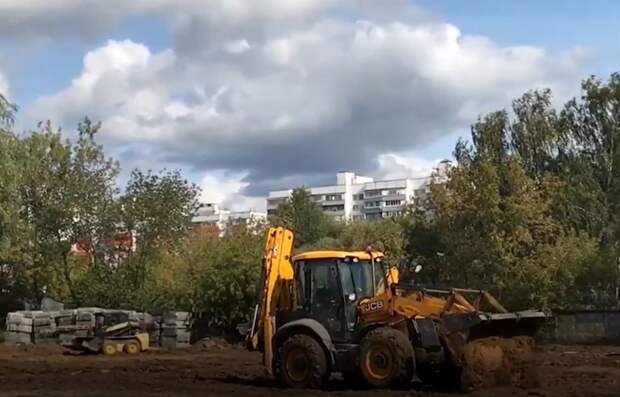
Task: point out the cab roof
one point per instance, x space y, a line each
363 255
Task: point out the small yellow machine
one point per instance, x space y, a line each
322 312
124 337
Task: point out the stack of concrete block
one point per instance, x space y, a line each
85 321
18 328
65 320
119 316
43 326
175 330
65 325
171 331
150 324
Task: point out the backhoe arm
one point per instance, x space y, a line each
274 292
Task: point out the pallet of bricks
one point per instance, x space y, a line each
18 328
175 330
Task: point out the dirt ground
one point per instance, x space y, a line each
221 370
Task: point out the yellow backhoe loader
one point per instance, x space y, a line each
325 312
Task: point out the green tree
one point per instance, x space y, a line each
213 277
496 226
424 245
13 283
594 123
536 134
154 217
300 214
385 235
157 208
63 195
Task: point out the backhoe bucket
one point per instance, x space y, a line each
494 348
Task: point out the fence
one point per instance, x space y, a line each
587 326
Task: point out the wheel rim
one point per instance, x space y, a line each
378 362
109 350
132 348
297 365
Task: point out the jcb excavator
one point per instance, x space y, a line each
323 312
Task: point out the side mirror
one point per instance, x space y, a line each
352 297
417 269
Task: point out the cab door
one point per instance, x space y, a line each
326 299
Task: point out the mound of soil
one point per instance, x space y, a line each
498 361
213 343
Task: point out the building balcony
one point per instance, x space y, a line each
373 198
326 203
402 197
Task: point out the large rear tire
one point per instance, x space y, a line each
303 364
386 358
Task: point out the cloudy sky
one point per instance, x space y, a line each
248 96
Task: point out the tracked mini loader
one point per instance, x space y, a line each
325 312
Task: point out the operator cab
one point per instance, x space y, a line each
330 285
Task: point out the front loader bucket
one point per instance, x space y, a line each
493 348
507 325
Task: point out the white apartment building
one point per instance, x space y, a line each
211 214
356 197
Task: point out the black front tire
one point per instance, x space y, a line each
302 363
386 359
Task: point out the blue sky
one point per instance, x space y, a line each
241 82
553 24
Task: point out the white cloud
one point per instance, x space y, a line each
4 86
394 166
119 84
226 188
275 90
237 46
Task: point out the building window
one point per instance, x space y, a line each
373 193
356 207
371 204
333 197
395 192
393 203
358 197
333 208
391 214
